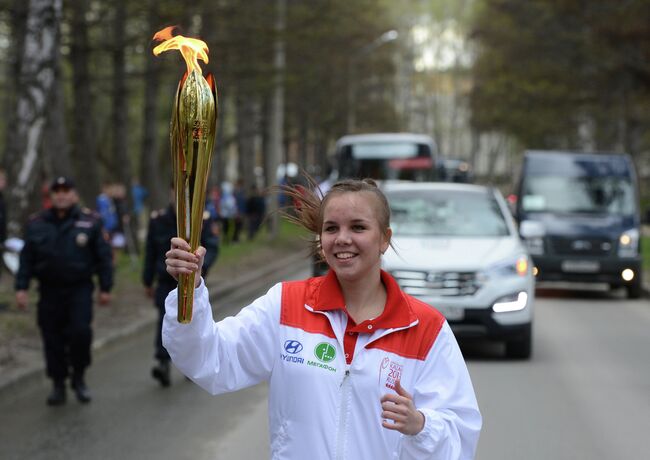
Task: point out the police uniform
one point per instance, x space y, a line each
162 228
63 254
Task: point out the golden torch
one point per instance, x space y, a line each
192 132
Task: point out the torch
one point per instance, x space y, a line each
192 132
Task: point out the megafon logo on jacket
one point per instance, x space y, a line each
325 352
389 373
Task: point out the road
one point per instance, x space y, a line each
584 395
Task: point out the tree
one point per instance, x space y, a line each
84 130
36 82
563 74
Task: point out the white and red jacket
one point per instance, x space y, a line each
326 374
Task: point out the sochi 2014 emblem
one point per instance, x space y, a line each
389 373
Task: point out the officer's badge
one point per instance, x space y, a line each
81 239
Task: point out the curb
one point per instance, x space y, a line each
33 373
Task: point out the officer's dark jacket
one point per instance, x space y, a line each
162 227
65 251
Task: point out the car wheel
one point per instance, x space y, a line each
520 348
635 289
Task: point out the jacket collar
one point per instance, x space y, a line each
327 296
73 212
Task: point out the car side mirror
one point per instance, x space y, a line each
531 229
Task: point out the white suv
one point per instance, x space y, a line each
456 247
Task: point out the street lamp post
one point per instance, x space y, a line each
384 38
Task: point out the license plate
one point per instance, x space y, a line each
452 313
580 266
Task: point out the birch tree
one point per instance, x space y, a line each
36 81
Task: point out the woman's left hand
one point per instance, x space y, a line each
400 413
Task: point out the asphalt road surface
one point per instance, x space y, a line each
584 395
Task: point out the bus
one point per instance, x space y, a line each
387 156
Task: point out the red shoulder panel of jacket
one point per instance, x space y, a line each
294 313
414 342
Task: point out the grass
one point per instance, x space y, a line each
128 270
645 253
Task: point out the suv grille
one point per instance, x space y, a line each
581 246
437 284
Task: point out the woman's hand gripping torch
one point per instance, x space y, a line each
192 133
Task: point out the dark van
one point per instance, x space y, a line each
579 215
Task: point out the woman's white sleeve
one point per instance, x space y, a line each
445 395
229 355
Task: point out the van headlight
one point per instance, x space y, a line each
517 266
628 243
535 246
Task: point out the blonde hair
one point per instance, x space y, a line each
309 208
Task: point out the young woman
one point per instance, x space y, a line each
357 369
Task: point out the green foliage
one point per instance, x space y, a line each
556 73
325 38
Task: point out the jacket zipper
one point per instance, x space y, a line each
343 416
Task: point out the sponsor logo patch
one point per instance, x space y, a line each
292 347
325 352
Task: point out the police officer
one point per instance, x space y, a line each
162 227
64 246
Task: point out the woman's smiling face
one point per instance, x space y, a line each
351 237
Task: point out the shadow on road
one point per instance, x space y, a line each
579 291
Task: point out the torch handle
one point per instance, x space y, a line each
185 297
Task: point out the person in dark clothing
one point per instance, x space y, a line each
255 211
64 247
240 199
162 227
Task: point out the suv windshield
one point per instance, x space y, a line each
594 195
445 213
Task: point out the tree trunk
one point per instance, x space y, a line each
217 174
121 157
18 24
36 81
246 131
84 133
303 145
56 151
276 119
151 178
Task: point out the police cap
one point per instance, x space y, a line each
62 182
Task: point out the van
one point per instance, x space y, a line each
579 216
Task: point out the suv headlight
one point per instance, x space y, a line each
517 266
628 243
514 302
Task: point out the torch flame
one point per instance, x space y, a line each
192 49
